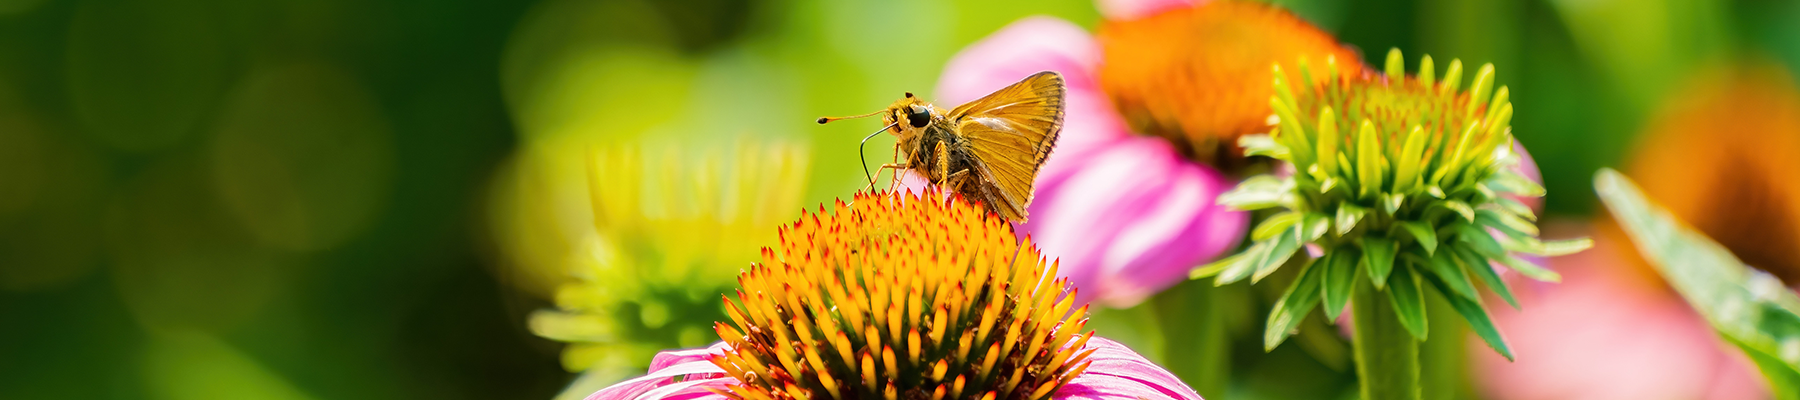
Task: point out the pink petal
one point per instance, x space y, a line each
1119 373
690 389
911 183
1119 10
670 358
1026 47
1116 373
1131 219
1528 168
1608 332
1125 214
692 365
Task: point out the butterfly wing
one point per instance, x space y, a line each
1009 134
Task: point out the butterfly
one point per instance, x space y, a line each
988 150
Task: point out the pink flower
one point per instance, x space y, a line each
1527 168
1126 214
1610 332
1118 10
1116 373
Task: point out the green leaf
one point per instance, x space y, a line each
1477 318
1378 254
1347 215
1396 67
1445 269
1482 269
1314 227
1506 222
1409 301
1406 174
1216 267
1299 299
1480 89
1282 248
1531 245
1275 225
1328 143
1291 132
1515 207
1262 191
1422 234
1750 308
1340 278
1460 208
1262 145
1479 240
1426 70
1530 270
1509 182
1243 265
1566 247
1482 195
1392 202
1368 154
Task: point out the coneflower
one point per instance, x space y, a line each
1198 75
666 220
1402 182
889 298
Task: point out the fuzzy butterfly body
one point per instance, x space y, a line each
988 150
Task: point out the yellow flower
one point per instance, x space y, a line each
673 223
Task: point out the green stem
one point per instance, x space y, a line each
1387 358
1443 360
1196 348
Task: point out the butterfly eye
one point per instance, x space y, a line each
918 117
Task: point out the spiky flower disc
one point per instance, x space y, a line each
1400 178
890 298
1199 75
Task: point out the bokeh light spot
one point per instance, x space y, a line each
178 259
194 366
143 75
49 189
303 156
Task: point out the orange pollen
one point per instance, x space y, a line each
911 298
1200 76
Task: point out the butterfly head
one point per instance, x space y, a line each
909 115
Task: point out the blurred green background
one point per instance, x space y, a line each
301 199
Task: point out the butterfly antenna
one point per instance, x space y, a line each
823 120
864 160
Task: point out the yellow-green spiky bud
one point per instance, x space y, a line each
1405 182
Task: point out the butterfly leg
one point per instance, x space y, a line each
955 182
943 164
884 167
894 160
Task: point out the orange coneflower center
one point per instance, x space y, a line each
1200 76
1722 156
891 298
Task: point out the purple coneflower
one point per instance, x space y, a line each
903 298
1128 214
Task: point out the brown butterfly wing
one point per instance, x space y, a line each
1010 133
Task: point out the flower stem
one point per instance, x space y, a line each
1443 360
1196 348
1387 358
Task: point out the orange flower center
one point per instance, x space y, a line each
891 298
1200 76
